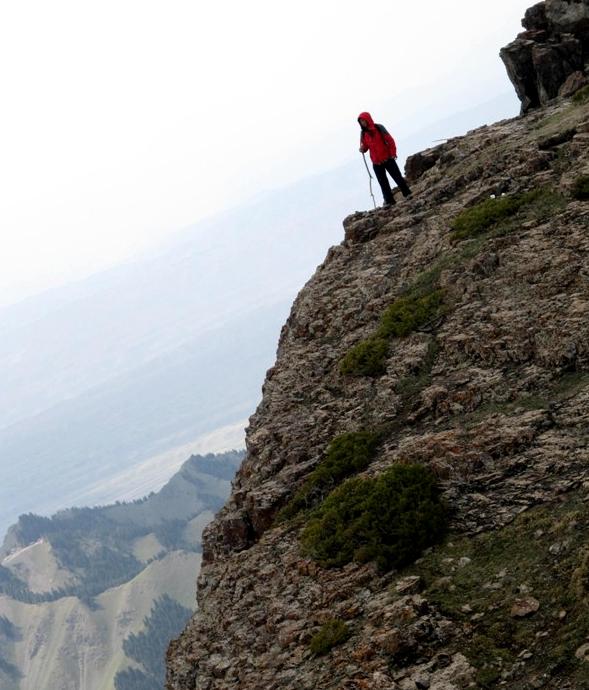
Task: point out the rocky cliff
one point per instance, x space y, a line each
453 331
550 57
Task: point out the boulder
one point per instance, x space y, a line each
577 80
568 16
554 47
524 607
420 163
535 18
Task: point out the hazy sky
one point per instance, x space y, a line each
125 120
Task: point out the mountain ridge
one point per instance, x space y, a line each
78 590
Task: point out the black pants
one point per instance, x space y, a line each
392 168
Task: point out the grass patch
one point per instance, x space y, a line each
496 214
332 633
565 118
582 96
500 566
474 221
428 281
580 189
346 455
389 519
508 407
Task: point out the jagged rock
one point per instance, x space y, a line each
554 47
419 163
535 18
556 139
569 16
422 682
409 585
524 607
577 80
360 227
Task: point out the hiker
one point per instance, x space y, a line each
383 152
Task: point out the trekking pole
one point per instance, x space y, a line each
369 179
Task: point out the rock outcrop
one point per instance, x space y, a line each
492 395
550 57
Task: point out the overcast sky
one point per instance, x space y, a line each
123 121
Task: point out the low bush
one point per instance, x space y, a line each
581 188
473 221
390 519
409 313
334 632
346 455
367 358
492 213
406 314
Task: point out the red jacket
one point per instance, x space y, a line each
377 140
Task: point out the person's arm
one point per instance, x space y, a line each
363 147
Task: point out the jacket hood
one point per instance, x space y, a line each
368 118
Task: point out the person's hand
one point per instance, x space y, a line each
361 149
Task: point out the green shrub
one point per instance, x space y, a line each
488 677
543 203
409 313
346 455
582 96
492 213
581 188
332 633
367 358
428 281
405 315
389 519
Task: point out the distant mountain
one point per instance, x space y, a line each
85 593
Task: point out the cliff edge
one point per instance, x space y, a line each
490 391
